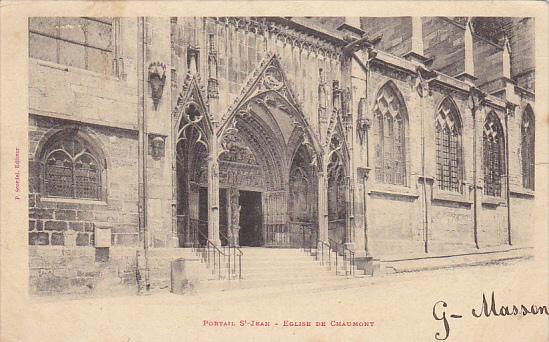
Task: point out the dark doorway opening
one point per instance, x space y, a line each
202 215
251 220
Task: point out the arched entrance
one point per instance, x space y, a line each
254 180
269 157
254 171
192 150
337 198
303 199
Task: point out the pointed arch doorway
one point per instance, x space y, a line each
278 187
254 179
268 181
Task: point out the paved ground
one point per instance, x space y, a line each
400 307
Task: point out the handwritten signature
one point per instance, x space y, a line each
488 308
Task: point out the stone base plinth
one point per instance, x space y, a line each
368 264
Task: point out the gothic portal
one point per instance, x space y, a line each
264 162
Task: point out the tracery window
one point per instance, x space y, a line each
493 155
528 149
448 147
85 43
390 124
71 169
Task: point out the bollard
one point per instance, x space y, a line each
183 280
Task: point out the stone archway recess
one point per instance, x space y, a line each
267 125
192 142
267 121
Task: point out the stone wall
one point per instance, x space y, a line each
488 60
158 122
521 36
59 270
444 42
450 215
50 218
396 33
84 96
523 219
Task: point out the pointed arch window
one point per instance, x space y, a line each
449 147
390 125
493 153
527 149
71 168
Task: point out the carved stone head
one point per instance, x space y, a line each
157 147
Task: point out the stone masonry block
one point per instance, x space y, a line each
39 213
82 239
39 238
57 239
67 215
76 226
84 215
56 225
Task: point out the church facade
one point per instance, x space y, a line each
392 137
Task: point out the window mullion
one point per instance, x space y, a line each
73 179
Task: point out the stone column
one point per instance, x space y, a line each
234 216
349 215
213 198
322 207
362 192
364 259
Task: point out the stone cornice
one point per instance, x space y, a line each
332 38
451 82
83 121
393 61
495 102
289 32
530 95
400 63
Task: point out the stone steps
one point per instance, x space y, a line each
268 267
261 267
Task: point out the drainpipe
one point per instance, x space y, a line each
509 109
175 236
141 110
423 187
475 195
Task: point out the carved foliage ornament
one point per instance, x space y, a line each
268 83
272 78
234 149
157 78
